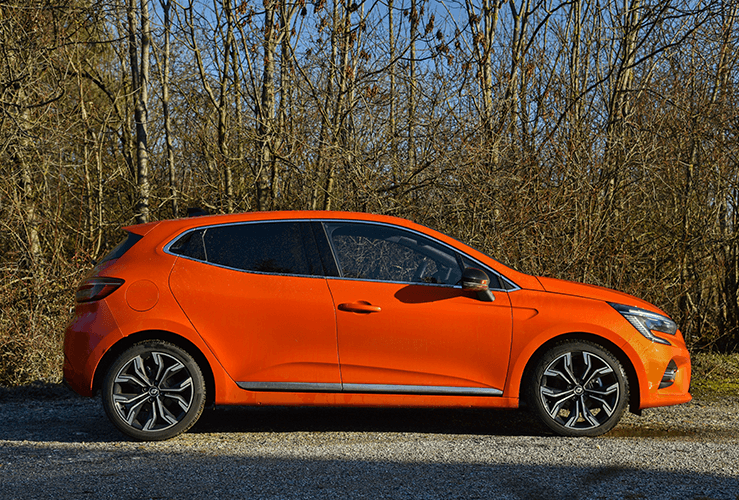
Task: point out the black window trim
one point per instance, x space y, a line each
501 279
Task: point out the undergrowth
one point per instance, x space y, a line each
715 376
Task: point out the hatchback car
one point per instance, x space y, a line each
349 309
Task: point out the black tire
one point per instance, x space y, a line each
578 388
154 391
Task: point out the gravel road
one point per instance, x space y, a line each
54 444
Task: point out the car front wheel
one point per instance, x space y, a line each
578 389
154 391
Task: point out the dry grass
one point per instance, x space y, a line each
32 326
715 376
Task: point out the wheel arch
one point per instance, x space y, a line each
621 356
119 347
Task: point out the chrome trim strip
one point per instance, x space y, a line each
289 386
485 266
369 388
423 389
167 250
443 285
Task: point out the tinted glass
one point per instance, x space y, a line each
122 247
190 245
274 247
383 253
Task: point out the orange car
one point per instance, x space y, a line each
349 309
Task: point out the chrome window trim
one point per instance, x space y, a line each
425 390
416 283
176 238
485 267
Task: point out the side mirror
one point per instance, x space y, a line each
475 280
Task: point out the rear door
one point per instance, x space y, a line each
256 294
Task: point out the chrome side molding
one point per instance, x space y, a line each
430 390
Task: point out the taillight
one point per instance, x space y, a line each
97 288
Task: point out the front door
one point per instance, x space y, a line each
404 325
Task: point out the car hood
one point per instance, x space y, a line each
553 285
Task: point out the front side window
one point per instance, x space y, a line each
269 247
384 253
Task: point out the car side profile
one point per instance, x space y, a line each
352 309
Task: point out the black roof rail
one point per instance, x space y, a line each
196 212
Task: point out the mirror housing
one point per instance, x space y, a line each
475 280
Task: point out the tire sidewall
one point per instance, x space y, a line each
198 387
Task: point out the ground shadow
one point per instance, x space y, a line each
418 420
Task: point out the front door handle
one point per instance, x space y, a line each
360 306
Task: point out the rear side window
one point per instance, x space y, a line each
124 246
272 247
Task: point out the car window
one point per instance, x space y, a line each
271 247
385 253
124 246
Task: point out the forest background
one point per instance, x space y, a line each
591 140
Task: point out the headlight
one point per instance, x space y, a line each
647 322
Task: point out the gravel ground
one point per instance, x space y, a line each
54 444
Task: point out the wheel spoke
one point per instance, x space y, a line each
151 421
133 411
176 393
587 414
140 370
599 373
559 402
170 371
574 415
159 363
609 391
128 400
165 413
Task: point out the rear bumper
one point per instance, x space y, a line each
90 332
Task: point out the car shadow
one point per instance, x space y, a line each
52 413
48 412
413 420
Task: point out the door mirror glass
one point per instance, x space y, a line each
475 280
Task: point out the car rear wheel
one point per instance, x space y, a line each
578 389
154 391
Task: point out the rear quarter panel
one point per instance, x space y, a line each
144 305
